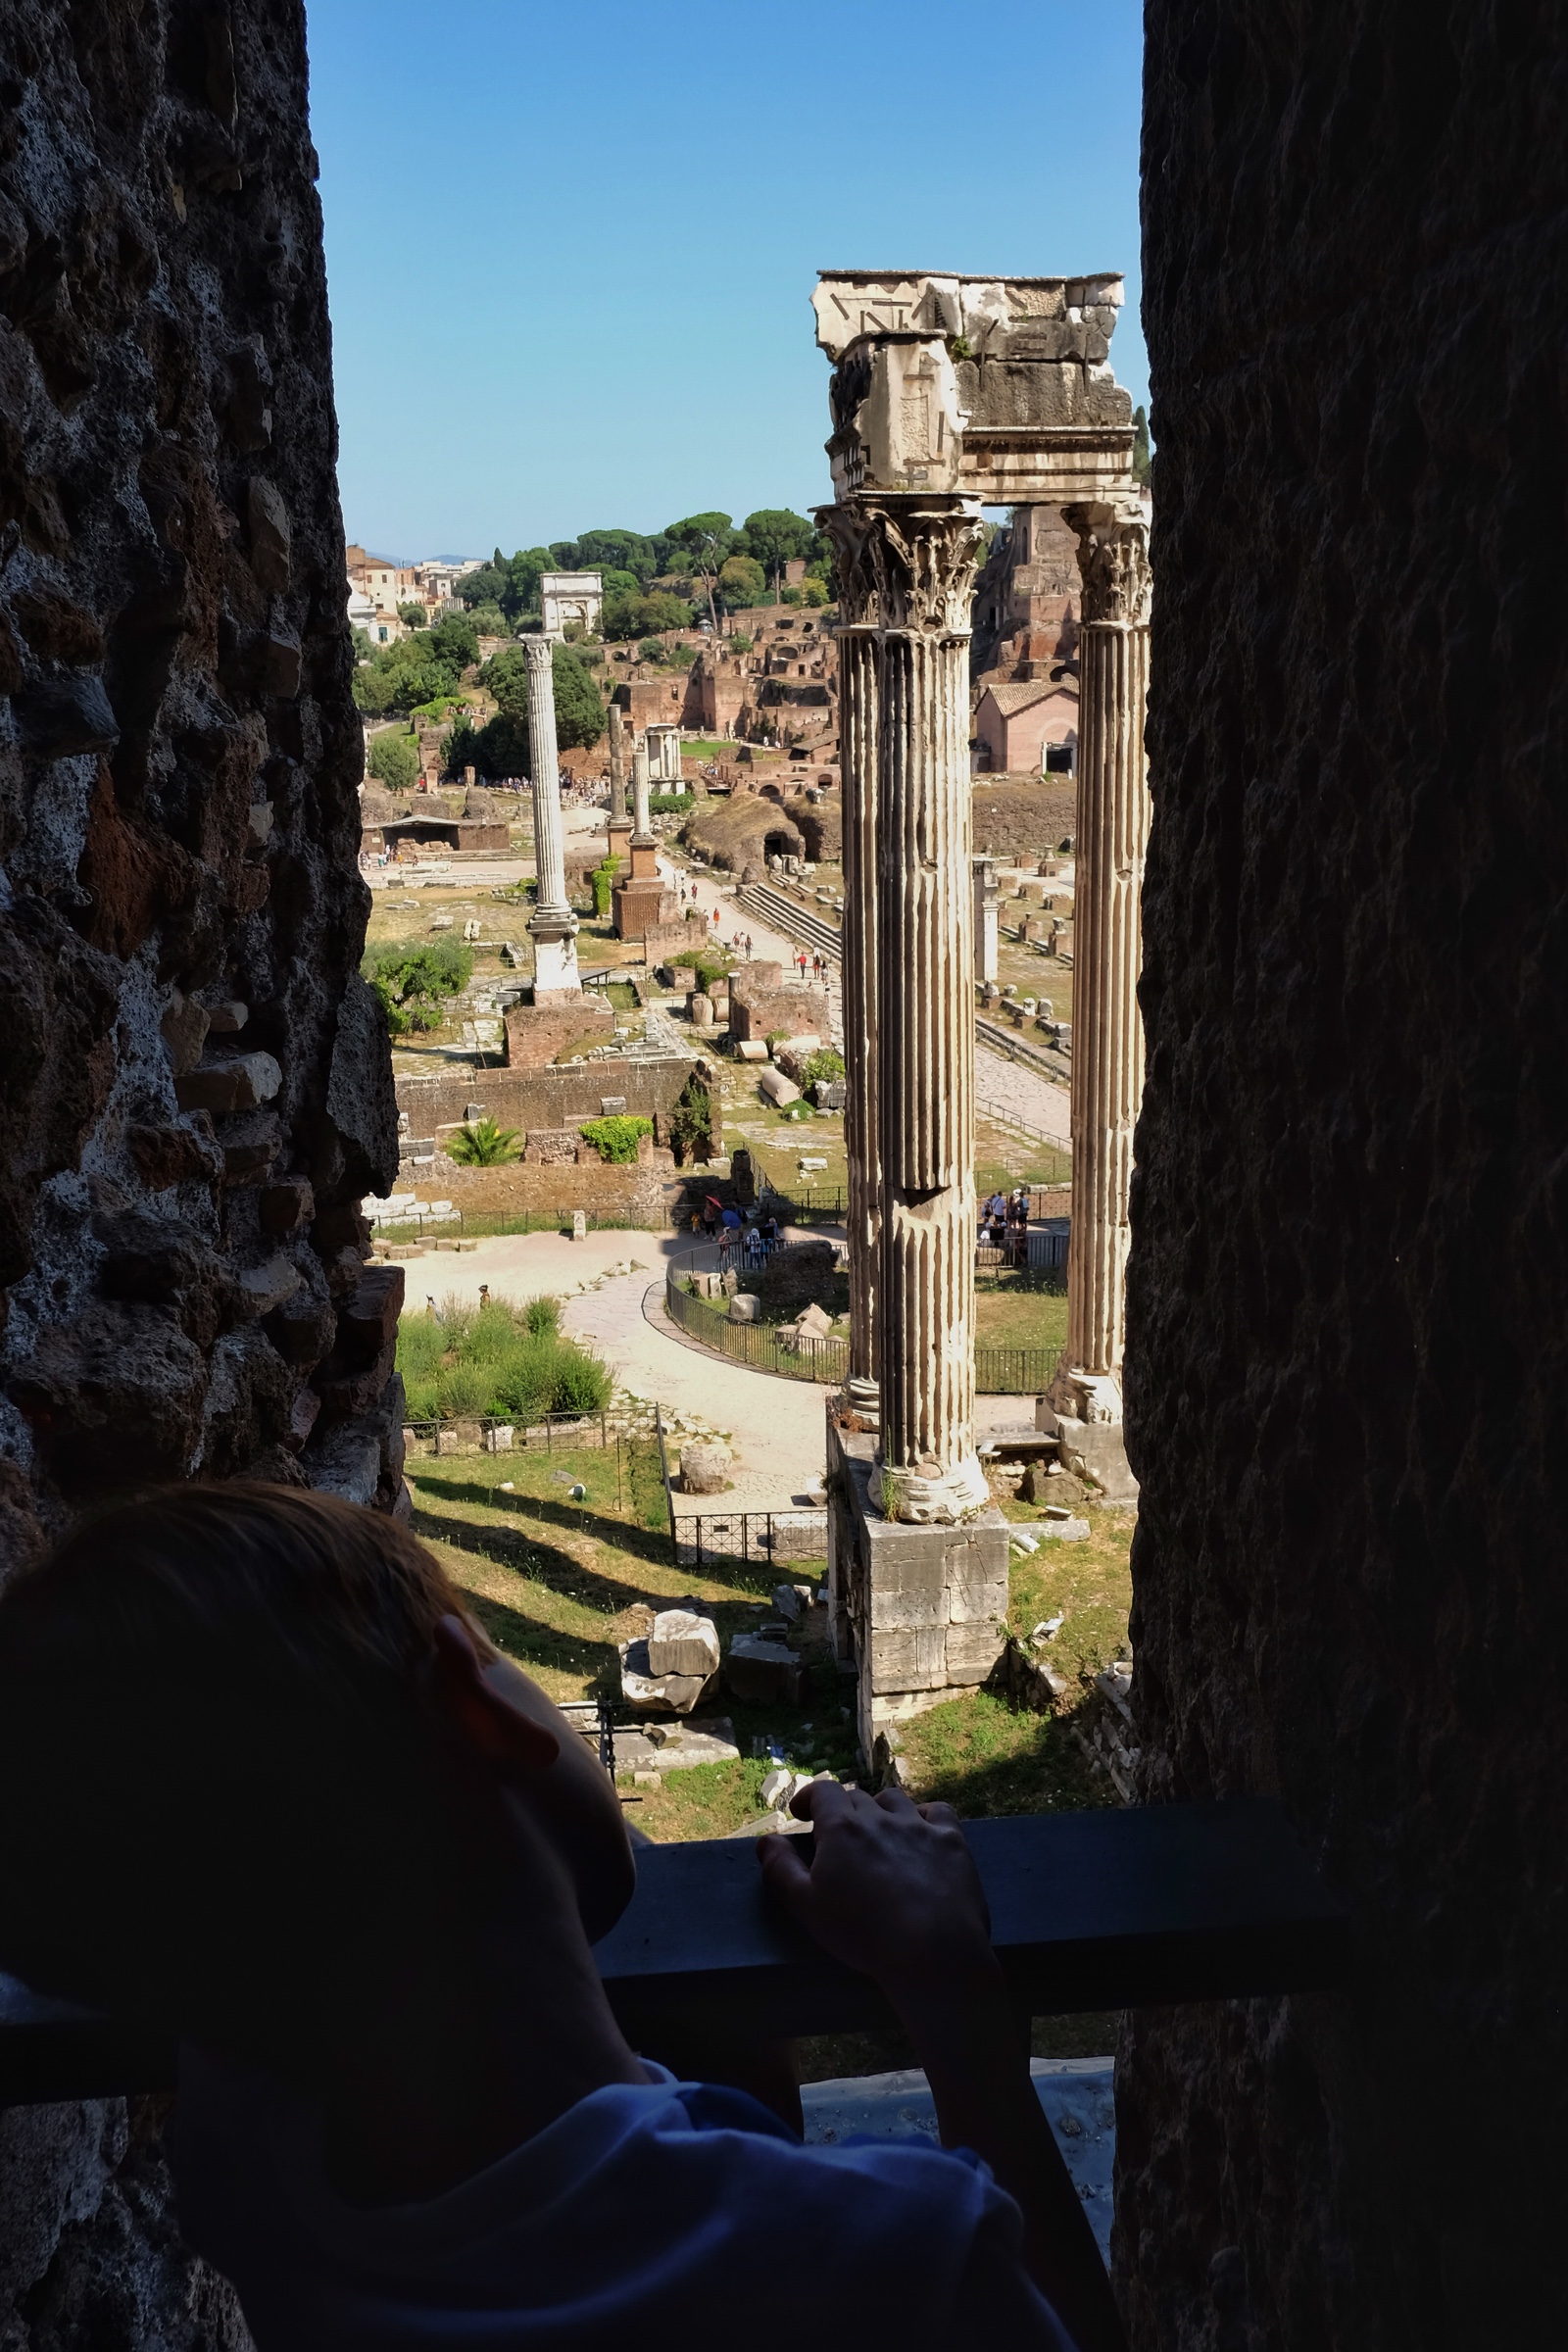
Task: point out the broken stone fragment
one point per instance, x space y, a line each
703 1469
776 1787
271 535
60 718
280 667
683 1642
225 1018
185 1155
287 1203
251 1142
184 1029
263 1287
763 1673
114 1396
659 1694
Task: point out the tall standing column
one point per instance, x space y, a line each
859 750
641 830
923 551
553 926
617 763
1107 1034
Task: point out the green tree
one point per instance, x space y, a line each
481 1143
618 551
814 592
627 616
776 536
706 539
651 649
412 616
486 586
580 714
741 582
489 621
455 640
394 760
523 575
1142 458
414 977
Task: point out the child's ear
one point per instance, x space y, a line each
501 1732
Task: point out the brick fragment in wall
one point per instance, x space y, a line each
179 825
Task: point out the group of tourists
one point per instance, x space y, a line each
1005 1224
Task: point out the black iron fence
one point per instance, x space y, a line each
776 1539
767 1348
810 1204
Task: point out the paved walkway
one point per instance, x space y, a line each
1003 1088
776 1426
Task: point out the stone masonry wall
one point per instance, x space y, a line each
1347 1340
194 1087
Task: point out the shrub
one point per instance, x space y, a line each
691 1122
670 804
603 879
467 1363
651 649
825 1063
706 964
481 1143
394 760
412 977
616 1139
776 1036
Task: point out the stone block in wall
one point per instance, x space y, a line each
906 1658
536 1033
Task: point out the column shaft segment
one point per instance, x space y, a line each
1107 1034
553 926
858 663
617 763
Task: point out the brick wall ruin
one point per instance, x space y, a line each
193 1082
1348 1344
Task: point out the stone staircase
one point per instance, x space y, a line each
781 912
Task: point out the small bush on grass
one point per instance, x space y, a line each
707 965
616 1139
465 1363
824 1064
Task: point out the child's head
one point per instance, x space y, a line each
256 1756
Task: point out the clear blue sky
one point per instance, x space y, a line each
570 250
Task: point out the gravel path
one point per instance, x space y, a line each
776 1426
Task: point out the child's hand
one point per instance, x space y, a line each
892 1890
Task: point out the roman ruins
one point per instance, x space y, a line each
553 927
1028 411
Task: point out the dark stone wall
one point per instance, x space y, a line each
1347 1350
194 1084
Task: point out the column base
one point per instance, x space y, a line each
922 1612
554 967
865 1399
922 1501
1083 1412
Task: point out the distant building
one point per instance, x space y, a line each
1027 727
569 598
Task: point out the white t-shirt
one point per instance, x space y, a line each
649 2214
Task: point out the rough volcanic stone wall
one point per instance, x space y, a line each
194 1088
1348 1350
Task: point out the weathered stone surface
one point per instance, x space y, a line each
762 1673
683 1642
703 1469
178 828
1348 1308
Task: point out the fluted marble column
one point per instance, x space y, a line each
641 829
906 565
1107 1033
553 926
617 763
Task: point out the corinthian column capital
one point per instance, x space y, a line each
1113 559
905 560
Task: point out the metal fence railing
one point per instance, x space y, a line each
764 1348
573 1430
810 1204
773 1538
